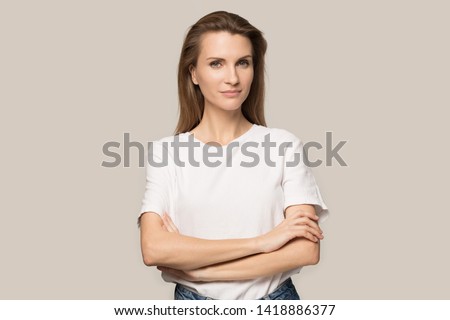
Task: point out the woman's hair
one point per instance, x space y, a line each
190 97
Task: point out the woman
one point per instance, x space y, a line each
228 212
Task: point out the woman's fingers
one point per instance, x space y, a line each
312 233
172 271
304 213
308 235
168 223
314 226
308 222
187 275
305 227
306 232
172 225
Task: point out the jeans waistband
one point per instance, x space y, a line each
282 286
286 288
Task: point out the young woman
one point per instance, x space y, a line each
230 210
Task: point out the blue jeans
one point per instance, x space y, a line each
285 291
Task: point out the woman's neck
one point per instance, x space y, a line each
221 126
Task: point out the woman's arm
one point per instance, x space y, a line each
298 252
170 249
163 248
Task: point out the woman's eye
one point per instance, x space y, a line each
244 63
215 64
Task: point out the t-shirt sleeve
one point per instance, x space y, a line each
299 184
158 179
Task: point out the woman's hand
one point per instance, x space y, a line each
197 275
190 275
301 223
298 224
168 224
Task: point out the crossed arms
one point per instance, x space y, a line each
293 243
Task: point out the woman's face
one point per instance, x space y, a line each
224 70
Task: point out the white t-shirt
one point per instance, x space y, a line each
239 190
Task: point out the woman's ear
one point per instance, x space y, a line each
193 74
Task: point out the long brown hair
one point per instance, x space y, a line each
191 99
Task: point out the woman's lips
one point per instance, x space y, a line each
231 93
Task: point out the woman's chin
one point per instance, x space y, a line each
232 107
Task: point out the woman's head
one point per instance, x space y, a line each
238 36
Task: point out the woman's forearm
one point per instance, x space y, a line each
187 253
163 245
296 253
171 249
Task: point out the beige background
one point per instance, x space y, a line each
75 75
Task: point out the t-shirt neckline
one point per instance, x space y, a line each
240 138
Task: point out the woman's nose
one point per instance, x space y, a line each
232 77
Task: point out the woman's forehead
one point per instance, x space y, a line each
224 45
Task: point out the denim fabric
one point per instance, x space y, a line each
285 291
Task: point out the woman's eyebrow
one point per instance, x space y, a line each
216 58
